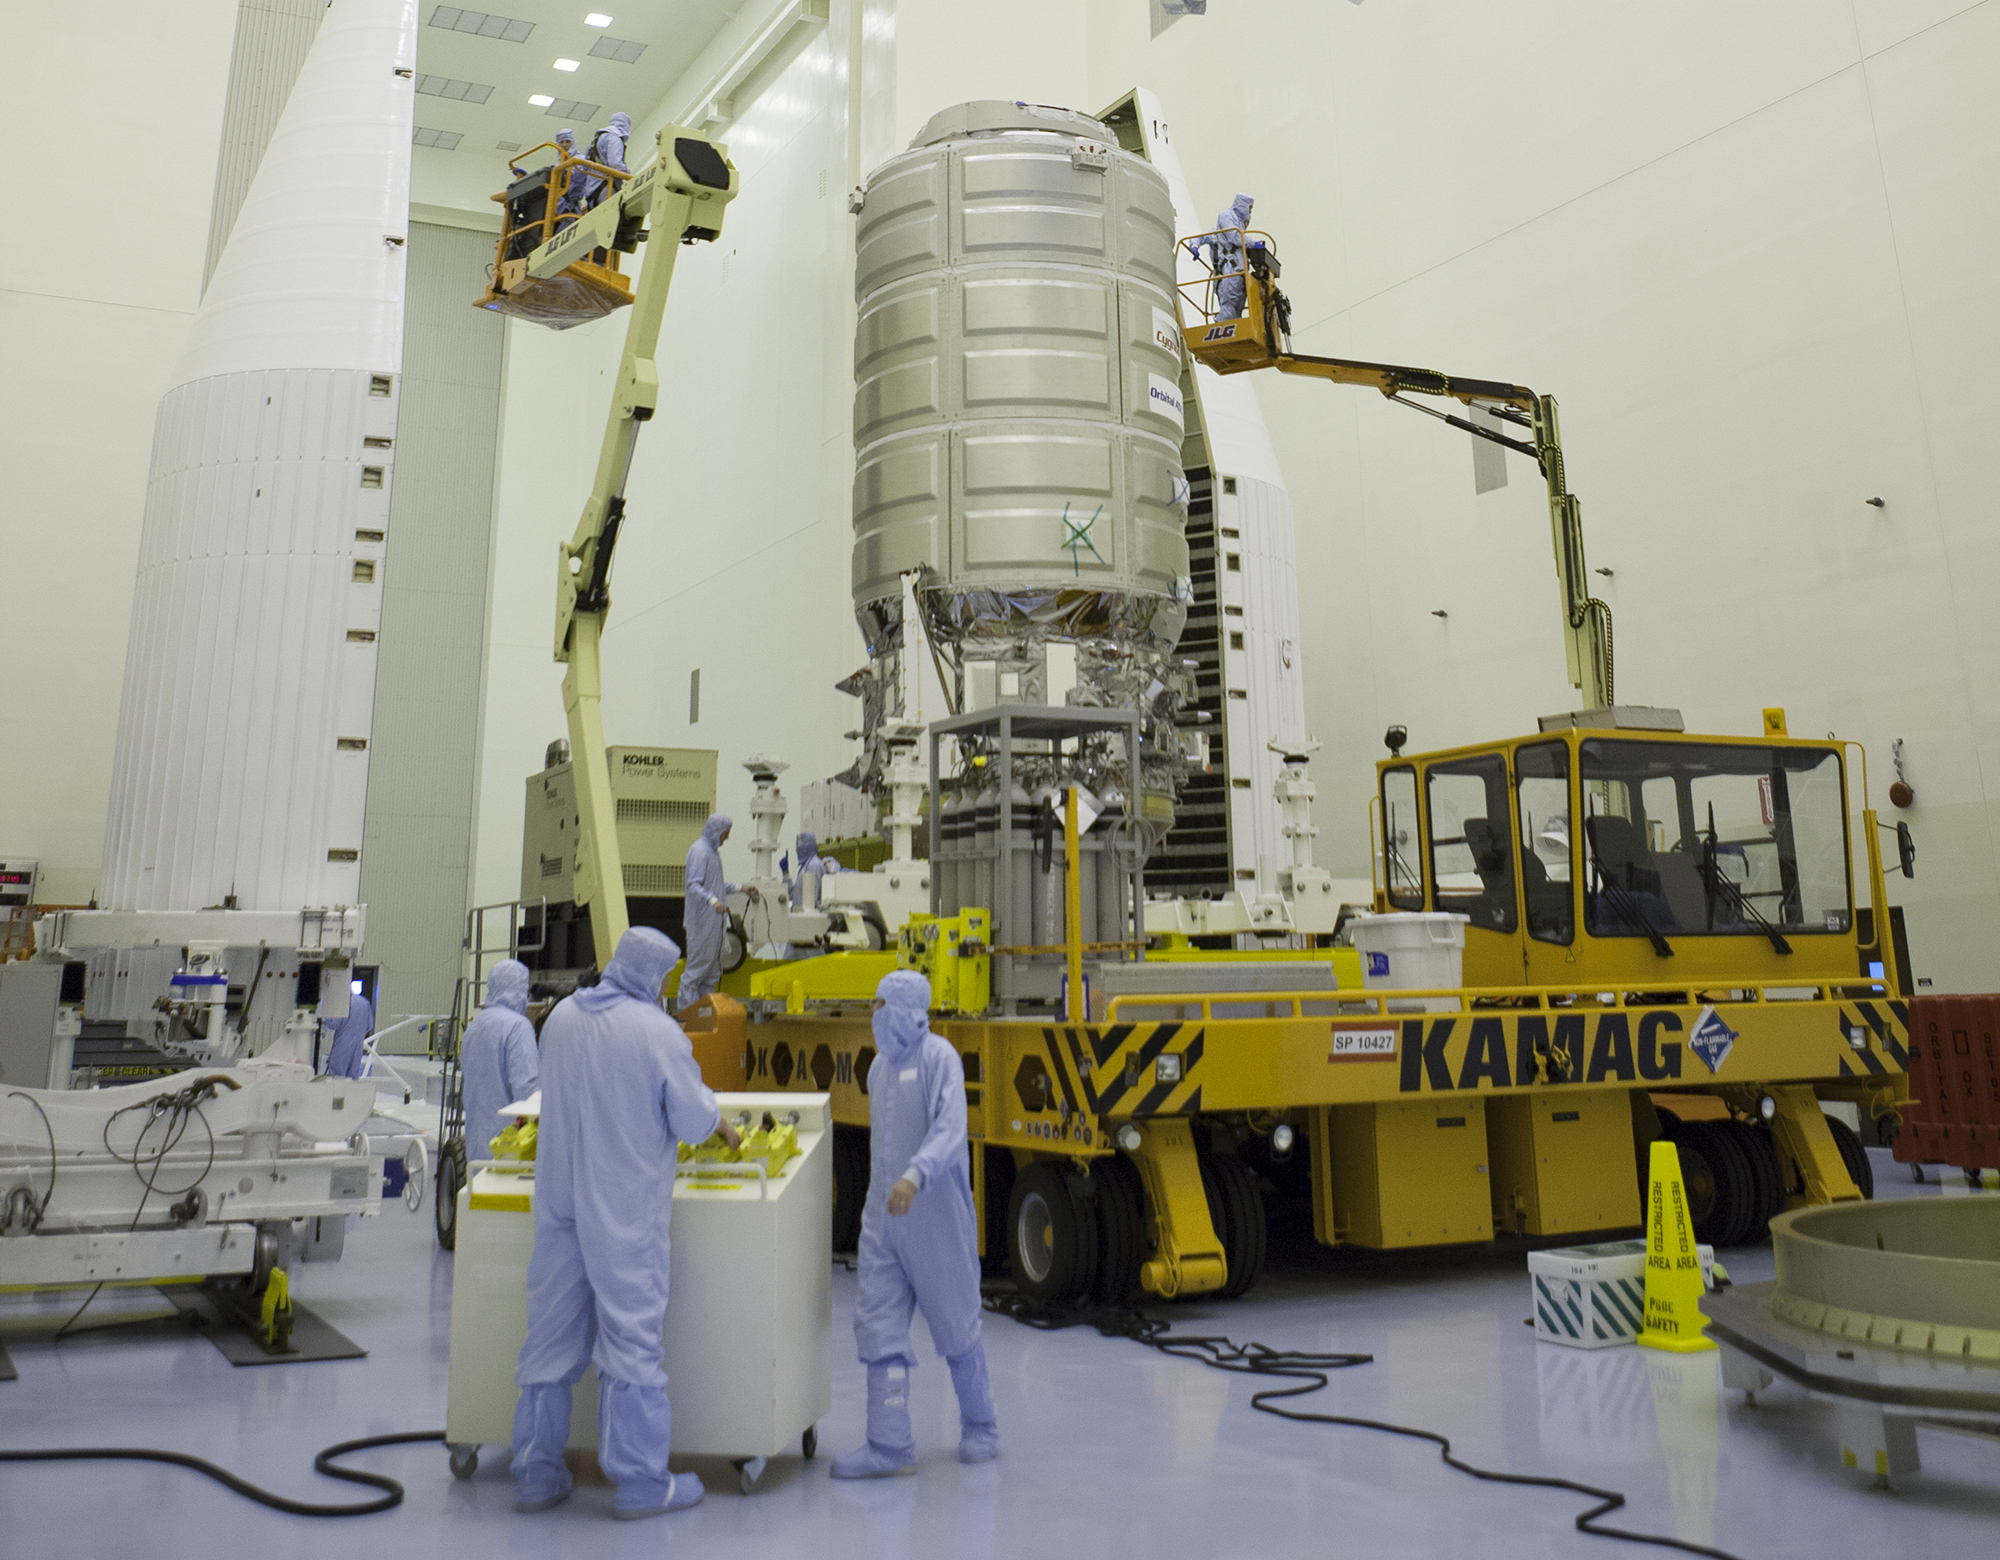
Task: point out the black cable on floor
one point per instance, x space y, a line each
1311 1370
324 1463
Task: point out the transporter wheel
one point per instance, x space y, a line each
850 1185
451 1176
1236 1208
809 1443
1767 1181
464 1461
1121 1228
1051 1234
1716 1173
1848 1141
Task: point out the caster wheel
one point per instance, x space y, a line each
809 1442
464 1461
1917 1174
748 1472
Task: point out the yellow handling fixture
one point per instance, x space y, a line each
1079 1008
678 199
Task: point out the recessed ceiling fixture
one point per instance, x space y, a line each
567 64
617 49
597 19
443 140
458 91
569 108
508 146
540 100
482 23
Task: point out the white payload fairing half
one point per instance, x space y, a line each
241 767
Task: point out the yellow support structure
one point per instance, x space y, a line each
1800 1132
1189 1258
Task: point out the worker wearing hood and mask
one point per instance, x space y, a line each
919 1248
1226 254
497 1058
811 868
620 1092
607 150
705 911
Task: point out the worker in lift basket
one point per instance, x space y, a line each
705 910
918 1250
620 1092
497 1059
1226 255
607 150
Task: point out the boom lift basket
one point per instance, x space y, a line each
586 290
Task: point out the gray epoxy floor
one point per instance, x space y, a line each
1108 1448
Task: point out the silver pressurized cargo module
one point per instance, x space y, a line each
1018 420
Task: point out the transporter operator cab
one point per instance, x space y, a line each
1697 859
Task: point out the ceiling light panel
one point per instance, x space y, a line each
597 19
443 140
508 146
540 100
569 108
481 24
568 64
457 91
617 49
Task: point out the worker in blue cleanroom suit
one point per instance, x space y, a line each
919 1248
567 187
1226 254
704 911
811 869
497 1058
620 1091
345 1057
607 149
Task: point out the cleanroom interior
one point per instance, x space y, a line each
1750 252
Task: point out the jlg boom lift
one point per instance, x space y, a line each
561 269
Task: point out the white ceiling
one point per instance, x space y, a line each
673 31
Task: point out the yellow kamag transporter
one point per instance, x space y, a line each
1647 914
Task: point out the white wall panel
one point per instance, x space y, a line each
91 334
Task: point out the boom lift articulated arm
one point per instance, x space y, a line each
1261 338
679 199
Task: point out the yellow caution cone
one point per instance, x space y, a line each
1673 1266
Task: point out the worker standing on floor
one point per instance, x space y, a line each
497 1058
919 1244
812 868
620 1092
705 911
347 1056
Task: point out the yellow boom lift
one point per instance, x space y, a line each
568 276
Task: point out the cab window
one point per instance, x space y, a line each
1541 787
1402 844
1472 843
1713 839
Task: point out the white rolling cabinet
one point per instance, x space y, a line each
747 1342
